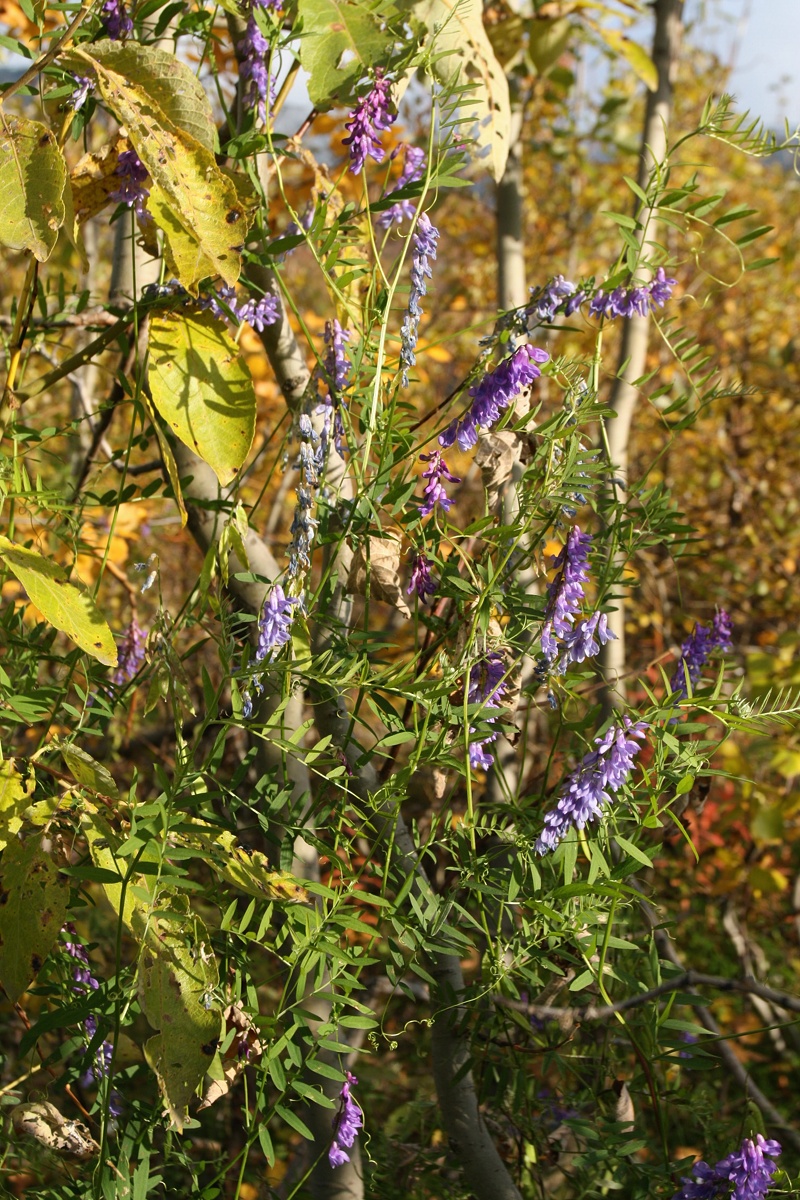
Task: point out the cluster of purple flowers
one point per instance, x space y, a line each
130 658
116 21
346 1124
421 581
562 296
486 687
493 394
587 789
132 190
696 650
85 982
413 168
564 598
275 622
258 90
435 490
336 373
748 1171
83 85
371 116
258 313
425 238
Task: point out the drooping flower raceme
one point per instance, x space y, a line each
86 982
585 640
258 91
562 296
421 581
588 789
413 168
132 174
275 622
336 369
747 1171
435 490
130 657
346 1124
493 394
425 238
697 649
565 594
116 21
486 687
371 116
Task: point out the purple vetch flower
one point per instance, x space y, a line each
413 168
130 657
435 491
421 581
546 301
259 313
424 242
132 174
697 649
346 1124
585 640
661 291
336 363
638 300
116 20
85 981
258 90
83 86
586 791
275 622
370 117
565 593
486 687
750 1170
493 394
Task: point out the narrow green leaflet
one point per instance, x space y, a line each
16 791
464 58
169 83
33 906
201 386
61 603
177 972
201 199
340 38
33 175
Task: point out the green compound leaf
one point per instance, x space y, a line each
16 791
340 38
33 906
200 198
464 58
177 971
169 83
201 386
33 175
61 603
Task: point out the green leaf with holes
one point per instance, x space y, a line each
33 907
177 973
341 38
33 176
202 388
60 602
16 790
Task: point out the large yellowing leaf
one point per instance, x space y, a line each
636 56
15 796
201 386
33 905
464 58
60 602
177 973
201 199
185 258
340 39
33 175
170 83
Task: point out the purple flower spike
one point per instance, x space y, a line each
371 115
259 90
131 654
587 789
337 364
566 593
275 623
116 21
661 291
697 649
346 1124
413 168
749 1170
421 581
259 313
426 236
132 174
486 687
435 492
585 640
493 395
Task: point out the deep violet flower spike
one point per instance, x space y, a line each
565 594
435 490
588 789
275 622
493 395
116 21
132 173
130 657
421 581
750 1170
697 649
346 1124
371 116
258 89
424 242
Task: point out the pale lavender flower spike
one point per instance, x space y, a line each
749 1171
346 1124
587 790
130 658
424 242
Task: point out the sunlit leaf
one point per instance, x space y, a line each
33 906
33 175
